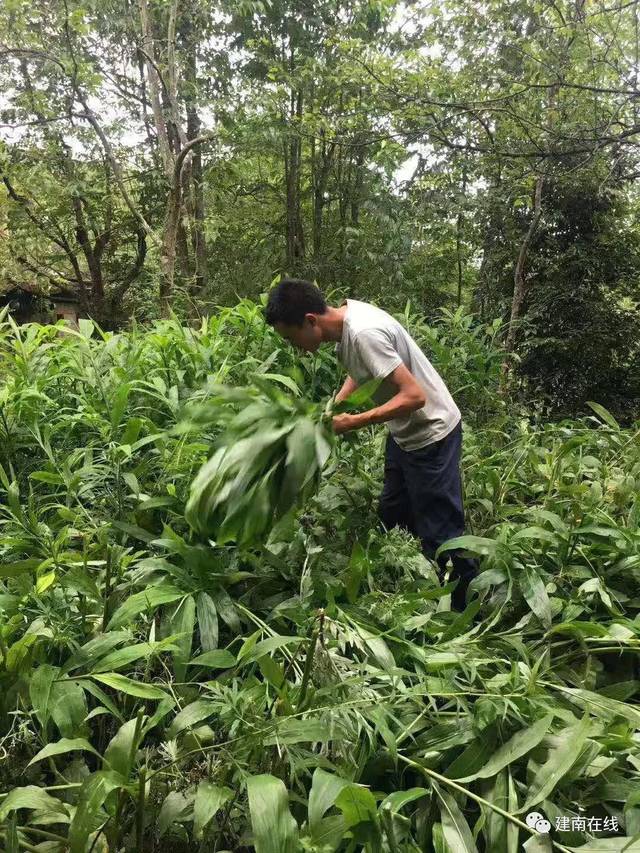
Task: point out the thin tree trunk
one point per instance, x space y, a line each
520 282
459 228
148 51
193 129
170 231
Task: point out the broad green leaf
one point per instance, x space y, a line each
183 622
126 656
325 788
293 730
475 544
396 801
88 815
264 647
120 753
599 705
68 708
40 687
190 715
127 685
454 826
538 844
605 414
209 799
357 804
558 763
516 747
145 601
274 829
622 844
495 791
216 659
62 746
176 806
287 381
207 622
29 797
535 595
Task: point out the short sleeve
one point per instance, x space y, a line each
377 353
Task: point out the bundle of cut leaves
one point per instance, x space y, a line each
268 459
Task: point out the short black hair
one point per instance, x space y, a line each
291 299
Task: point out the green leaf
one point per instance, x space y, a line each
396 801
516 747
474 544
357 804
183 622
40 687
209 799
124 657
132 688
287 381
454 826
88 815
207 622
293 730
190 715
600 705
62 746
216 659
325 788
175 807
538 844
264 647
606 416
622 844
120 752
145 601
558 763
362 394
29 797
535 595
274 829
68 708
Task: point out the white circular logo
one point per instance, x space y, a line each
533 818
543 826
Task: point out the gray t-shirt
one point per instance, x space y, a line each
373 344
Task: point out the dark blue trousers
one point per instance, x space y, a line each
422 493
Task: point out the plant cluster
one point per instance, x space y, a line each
302 685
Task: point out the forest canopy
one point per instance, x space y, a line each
161 157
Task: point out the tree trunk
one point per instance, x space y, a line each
459 228
292 164
197 193
520 282
148 51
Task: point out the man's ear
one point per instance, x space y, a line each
311 319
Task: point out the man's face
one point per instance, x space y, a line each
307 337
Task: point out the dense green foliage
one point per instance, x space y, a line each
314 691
389 149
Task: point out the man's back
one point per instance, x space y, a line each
373 344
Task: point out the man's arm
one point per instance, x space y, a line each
348 388
410 396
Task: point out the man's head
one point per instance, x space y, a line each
294 309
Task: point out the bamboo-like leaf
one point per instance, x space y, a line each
516 747
274 829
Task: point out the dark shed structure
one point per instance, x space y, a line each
29 304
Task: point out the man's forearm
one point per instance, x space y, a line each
397 407
348 388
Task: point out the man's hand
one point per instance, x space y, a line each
343 423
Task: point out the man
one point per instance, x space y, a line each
422 485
